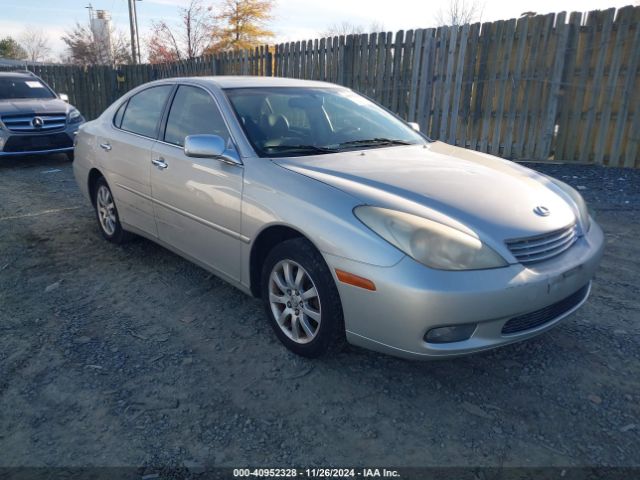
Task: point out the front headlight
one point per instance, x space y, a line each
430 243
74 116
583 211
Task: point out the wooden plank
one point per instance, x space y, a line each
380 66
371 64
489 90
446 96
540 89
415 73
388 71
349 53
548 122
503 77
442 34
475 117
405 74
425 88
629 91
338 62
596 89
397 67
513 86
585 53
623 20
457 87
468 77
567 90
533 43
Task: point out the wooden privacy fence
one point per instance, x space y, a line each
557 86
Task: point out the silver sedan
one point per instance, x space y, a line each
349 224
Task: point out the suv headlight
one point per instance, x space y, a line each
430 243
583 211
74 116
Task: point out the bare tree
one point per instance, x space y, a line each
460 12
84 48
187 40
36 43
348 28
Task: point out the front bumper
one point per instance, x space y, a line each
411 299
14 144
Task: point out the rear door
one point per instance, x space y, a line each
126 155
197 200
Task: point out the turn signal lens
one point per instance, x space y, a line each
355 280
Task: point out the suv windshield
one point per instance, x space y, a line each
23 87
294 121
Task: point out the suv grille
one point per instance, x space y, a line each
543 247
546 314
46 122
35 143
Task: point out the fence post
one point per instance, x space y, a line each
268 62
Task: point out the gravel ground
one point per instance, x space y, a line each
120 356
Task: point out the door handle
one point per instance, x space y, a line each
160 163
105 146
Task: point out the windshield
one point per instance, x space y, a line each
23 87
296 121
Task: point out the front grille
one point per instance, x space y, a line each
546 314
35 143
543 247
25 122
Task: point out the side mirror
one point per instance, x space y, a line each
209 146
64 97
415 126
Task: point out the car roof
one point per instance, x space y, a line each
230 81
22 73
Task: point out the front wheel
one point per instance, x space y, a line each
301 299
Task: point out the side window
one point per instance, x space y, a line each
117 119
144 110
193 112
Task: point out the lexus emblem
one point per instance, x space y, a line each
37 122
542 211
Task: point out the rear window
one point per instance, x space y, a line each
23 87
144 109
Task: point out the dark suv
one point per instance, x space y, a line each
33 118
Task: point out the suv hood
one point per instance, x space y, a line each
33 105
455 186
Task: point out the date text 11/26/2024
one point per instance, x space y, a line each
316 473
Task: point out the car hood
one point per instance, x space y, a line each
33 105
495 198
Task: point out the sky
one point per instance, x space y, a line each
293 19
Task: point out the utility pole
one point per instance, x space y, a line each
135 15
133 25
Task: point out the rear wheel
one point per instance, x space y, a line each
107 214
301 299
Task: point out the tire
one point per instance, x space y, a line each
70 156
107 214
294 315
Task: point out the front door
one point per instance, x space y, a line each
197 200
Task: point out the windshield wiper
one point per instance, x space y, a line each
374 142
301 148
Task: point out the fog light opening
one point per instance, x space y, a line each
450 334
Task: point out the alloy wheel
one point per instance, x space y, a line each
294 301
